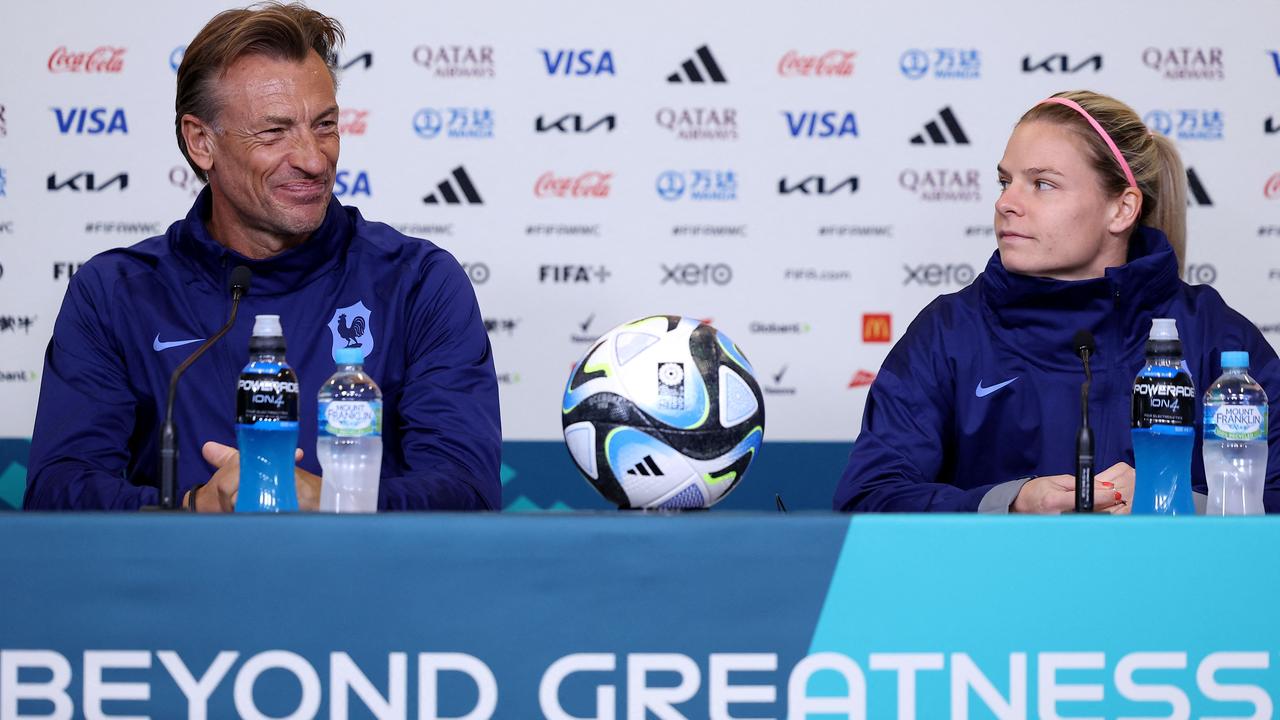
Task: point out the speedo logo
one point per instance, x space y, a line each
271 386
1164 390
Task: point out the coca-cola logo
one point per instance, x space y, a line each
591 184
1272 189
833 63
103 59
353 122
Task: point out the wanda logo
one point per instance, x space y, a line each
833 63
590 184
353 122
104 59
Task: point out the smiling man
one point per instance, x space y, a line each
257 118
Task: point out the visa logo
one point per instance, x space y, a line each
822 125
578 62
90 121
352 183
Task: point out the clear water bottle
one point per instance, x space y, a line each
1235 439
267 423
1163 427
349 439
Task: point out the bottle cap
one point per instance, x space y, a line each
349 356
1238 359
267 326
1164 329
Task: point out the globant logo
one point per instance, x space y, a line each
175 57
591 184
353 122
699 185
454 122
578 62
1186 124
814 124
103 59
1271 189
1185 63
776 328
941 63
456 61
700 123
942 185
833 63
350 183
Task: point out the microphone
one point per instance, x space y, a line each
1084 346
239 286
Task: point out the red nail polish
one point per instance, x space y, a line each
1119 497
1108 485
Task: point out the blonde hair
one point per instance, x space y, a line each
1153 159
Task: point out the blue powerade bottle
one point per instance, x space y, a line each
1163 427
267 423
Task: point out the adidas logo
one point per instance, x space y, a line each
935 134
445 190
646 467
689 69
1196 194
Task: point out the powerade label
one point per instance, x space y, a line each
1236 422
1163 396
351 418
267 392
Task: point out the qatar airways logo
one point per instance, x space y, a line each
942 184
699 123
1185 63
591 184
833 63
103 59
456 61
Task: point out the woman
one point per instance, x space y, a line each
977 406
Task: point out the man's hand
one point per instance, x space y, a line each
219 494
1054 494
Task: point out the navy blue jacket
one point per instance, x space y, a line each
941 427
116 341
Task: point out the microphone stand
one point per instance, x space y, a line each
1084 440
168 432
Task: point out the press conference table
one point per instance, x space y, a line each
702 615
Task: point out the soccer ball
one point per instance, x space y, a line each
663 412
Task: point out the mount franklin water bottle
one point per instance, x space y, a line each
267 423
1163 427
1235 439
349 437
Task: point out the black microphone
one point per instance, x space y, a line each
1083 345
239 284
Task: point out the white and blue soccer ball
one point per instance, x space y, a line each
663 412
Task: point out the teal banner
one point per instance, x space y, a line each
606 616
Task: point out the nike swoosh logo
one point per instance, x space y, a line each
158 346
985 391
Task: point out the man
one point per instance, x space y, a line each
256 116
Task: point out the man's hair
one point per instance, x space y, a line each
273 29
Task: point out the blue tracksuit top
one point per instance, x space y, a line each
120 334
984 386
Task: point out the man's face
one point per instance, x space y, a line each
275 146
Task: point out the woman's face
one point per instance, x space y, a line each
1053 218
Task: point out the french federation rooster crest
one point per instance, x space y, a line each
351 328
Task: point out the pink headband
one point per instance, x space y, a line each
1128 174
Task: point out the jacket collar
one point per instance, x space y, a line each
283 273
1035 314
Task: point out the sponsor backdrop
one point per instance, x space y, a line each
806 178
578 617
